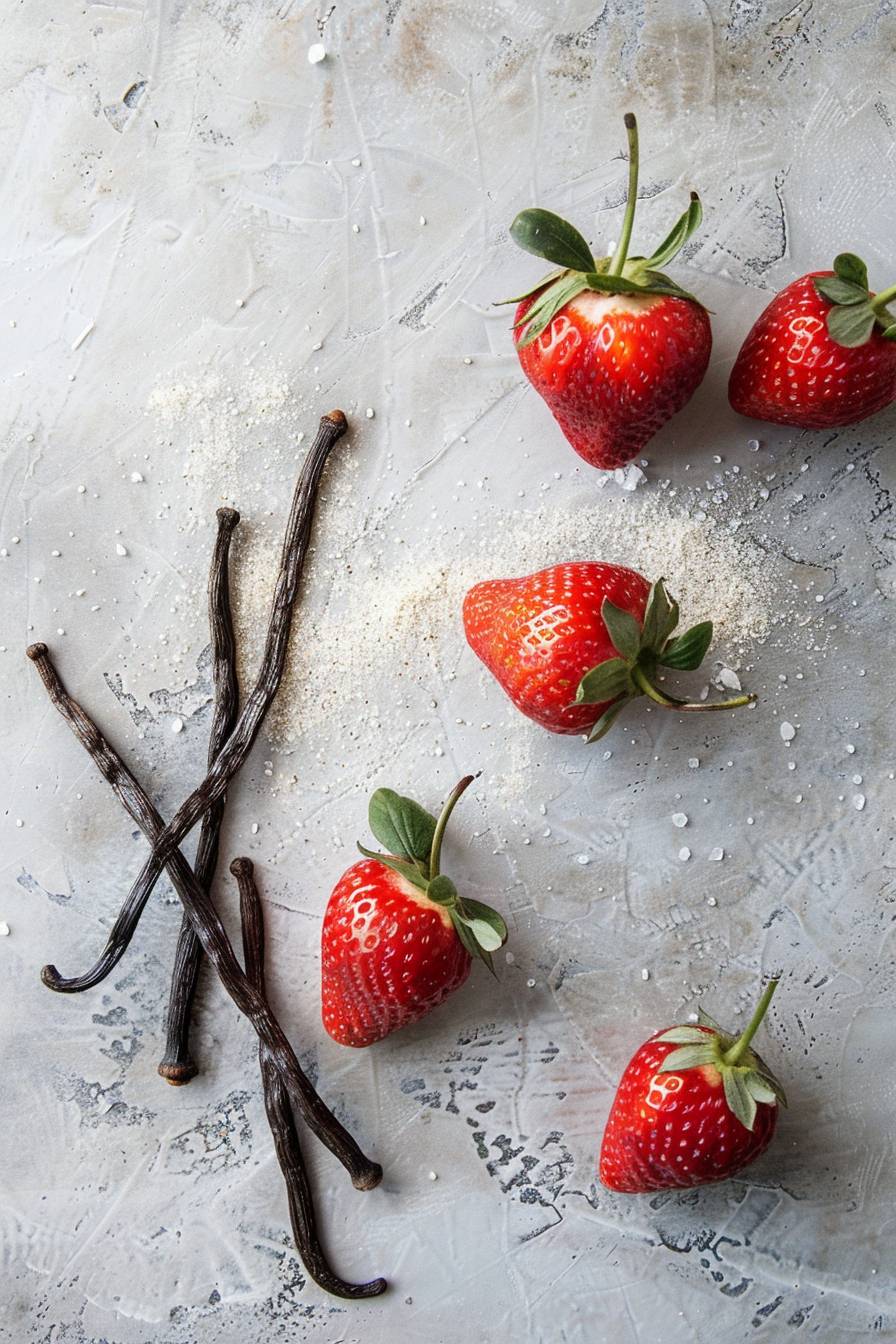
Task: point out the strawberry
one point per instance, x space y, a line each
694 1105
397 938
612 345
573 644
822 354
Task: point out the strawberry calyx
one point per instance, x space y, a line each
643 647
413 838
546 235
855 312
746 1078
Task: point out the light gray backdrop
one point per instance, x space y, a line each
208 241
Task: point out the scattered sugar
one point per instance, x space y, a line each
380 611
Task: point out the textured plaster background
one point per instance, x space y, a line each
163 161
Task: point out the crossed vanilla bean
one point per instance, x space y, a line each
235 751
177 1065
279 1112
196 901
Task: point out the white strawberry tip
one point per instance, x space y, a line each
546 235
747 1080
643 647
413 840
855 312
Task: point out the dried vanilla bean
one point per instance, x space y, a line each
211 932
248 725
279 1112
177 1065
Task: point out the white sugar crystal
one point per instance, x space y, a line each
629 477
858 802
679 819
317 52
684 853
729 679
119 549
787 731
716 855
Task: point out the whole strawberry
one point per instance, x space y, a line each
694 1105
397 938
822 354
613 345
573 644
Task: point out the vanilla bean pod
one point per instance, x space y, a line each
211 932
177 1065
241 740
197 903
279 1112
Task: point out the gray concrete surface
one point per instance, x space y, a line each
240 234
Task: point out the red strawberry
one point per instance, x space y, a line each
822 354
571 645
694 1105
614 346
397 938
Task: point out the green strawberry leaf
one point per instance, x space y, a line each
607 681
470 941
687 651
546 308
889 333
684 1036
682 230
768 1078
852 325
839 291
403 826
689 1057
660 617
624 630
484 921
545 234
533 289
645 282
704 1020
760 1090
607 719
738 1096
402 866
851 268
485 935
441 890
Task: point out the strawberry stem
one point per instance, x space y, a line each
883 298
738 1049
628 219
450 804
644 684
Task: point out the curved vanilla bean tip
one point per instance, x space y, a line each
302 1215
177 1074
337 418
227 517
36 651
